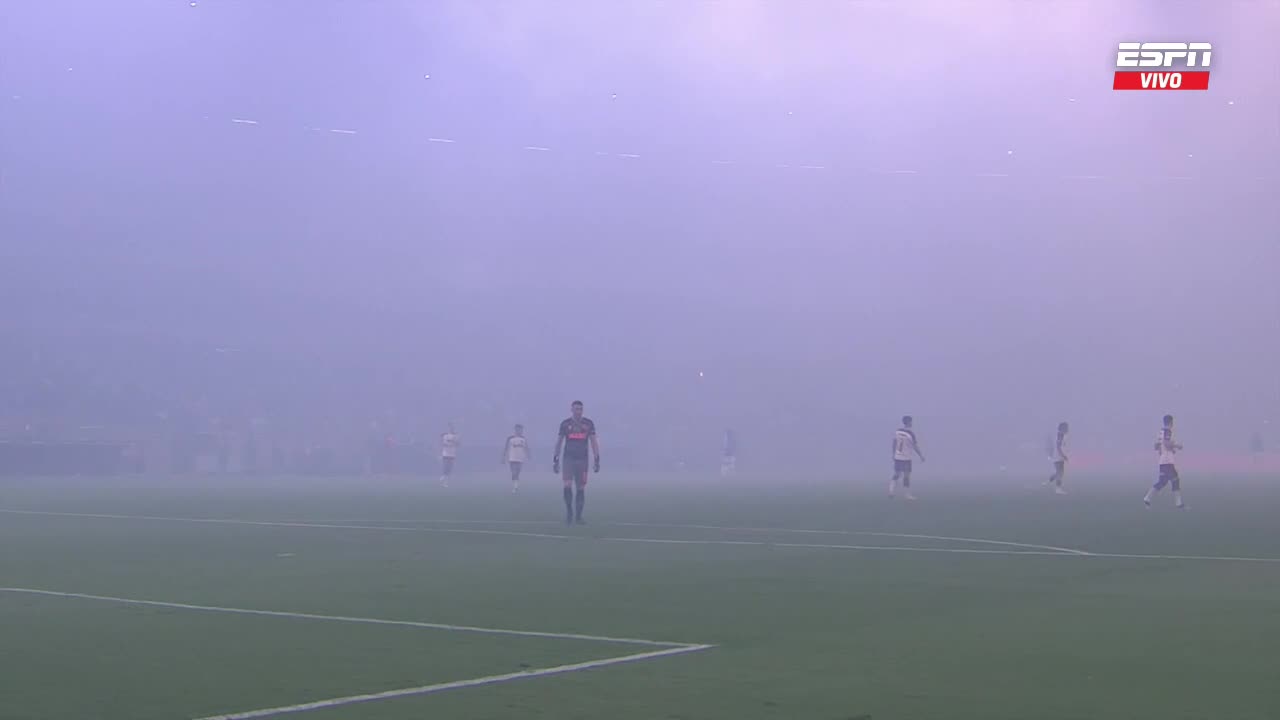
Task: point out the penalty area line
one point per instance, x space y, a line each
1030 550
341 618
458 684
862 533
398 524
664 649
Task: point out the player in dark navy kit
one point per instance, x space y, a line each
576 434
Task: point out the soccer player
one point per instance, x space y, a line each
1166 448
576 433
729 454
448 454
904 446
515 455
1059 458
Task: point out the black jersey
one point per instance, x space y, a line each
576 434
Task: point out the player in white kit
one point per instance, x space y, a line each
905 445
448 454
729 454
1166 449
515 455
1059 459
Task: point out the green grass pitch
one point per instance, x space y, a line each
983 600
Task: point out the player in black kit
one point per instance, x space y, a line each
576 433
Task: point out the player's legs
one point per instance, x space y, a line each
580 484
1176 483
569 473
574 475
446 470
1059 471
901 470
1161 480
515 475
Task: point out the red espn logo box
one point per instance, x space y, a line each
1162 55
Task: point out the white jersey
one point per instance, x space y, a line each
1060 449
449 445
517 449
904 444
1166 447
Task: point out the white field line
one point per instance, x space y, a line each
404 524
859 533
1046 551
286 523
668 649
457 684
344 618
823 546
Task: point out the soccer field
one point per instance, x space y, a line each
128 599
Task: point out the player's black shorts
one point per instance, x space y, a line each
1169 474
446 465
902 466
574 472
1059 466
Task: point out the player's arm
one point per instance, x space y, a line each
915 447
595 447
506 451
555 457
1061 453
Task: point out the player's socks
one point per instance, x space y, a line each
1059 491
444 481
1177 499
1146 500
568 506
579 502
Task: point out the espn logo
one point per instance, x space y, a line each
1162 55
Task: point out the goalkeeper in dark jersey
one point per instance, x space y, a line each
576 433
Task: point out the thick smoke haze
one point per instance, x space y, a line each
797 219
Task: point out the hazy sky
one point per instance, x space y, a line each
838 211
